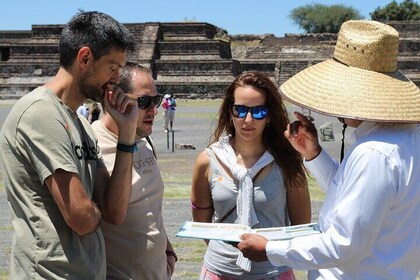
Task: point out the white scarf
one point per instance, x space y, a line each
245 206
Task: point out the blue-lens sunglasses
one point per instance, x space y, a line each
257 112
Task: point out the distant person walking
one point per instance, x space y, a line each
168 105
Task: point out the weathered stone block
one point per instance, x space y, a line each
190 59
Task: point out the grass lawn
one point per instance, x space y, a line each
179 186
199 102
4 275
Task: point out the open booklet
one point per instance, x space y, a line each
231 232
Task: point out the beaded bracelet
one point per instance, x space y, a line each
200 208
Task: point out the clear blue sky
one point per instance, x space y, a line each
235 16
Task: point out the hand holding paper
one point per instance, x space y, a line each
252 247
232 232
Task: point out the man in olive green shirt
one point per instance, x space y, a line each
51 163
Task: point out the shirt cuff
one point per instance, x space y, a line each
319 165
276 252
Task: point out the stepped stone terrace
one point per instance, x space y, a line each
191 60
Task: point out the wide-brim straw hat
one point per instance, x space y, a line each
166 96
361 81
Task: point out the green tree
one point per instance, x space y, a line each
407 10
318 18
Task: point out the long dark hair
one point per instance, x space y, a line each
289 160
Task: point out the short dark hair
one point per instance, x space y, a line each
98 31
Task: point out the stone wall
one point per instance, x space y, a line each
410 29
188 59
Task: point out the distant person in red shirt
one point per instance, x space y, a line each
168 105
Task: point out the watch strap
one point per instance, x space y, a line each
127 148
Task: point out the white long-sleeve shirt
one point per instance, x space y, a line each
370 219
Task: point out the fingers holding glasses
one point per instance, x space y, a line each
301 125
293 128
305 120
303 136
120 100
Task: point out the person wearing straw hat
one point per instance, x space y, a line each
370 218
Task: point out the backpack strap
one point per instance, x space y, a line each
222 219
151 144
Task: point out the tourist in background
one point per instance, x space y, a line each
172 106
169 105
139 247
165 106
50 161
370 218
249 175
94 112
83 110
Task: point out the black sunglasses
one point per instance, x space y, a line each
145 102
257 112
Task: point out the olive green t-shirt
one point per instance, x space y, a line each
39 136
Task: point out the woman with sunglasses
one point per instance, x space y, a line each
251 175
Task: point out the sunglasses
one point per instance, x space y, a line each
145 102
257 112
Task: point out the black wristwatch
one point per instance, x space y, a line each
127 148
